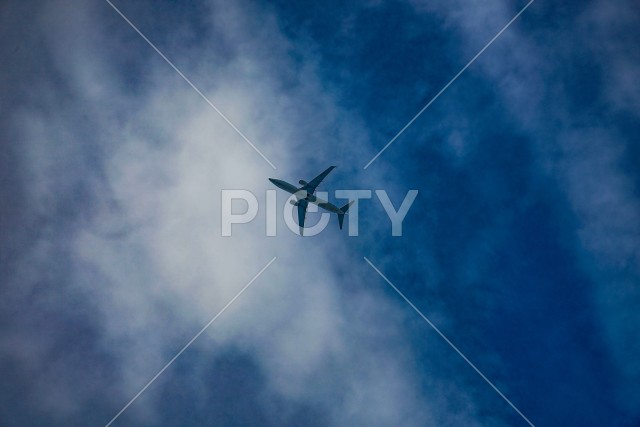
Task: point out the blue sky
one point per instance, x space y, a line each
522 245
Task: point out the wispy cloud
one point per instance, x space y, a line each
565 82
123 165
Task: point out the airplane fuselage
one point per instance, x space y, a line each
302 194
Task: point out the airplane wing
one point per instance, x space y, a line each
302 210
311 186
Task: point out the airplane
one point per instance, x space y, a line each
304 196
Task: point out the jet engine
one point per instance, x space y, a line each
303 182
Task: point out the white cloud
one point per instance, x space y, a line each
148 256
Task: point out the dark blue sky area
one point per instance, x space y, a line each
505 239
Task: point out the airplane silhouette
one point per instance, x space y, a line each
304 196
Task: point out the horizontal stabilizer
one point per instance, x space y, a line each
344 210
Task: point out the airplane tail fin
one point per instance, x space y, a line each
344 210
